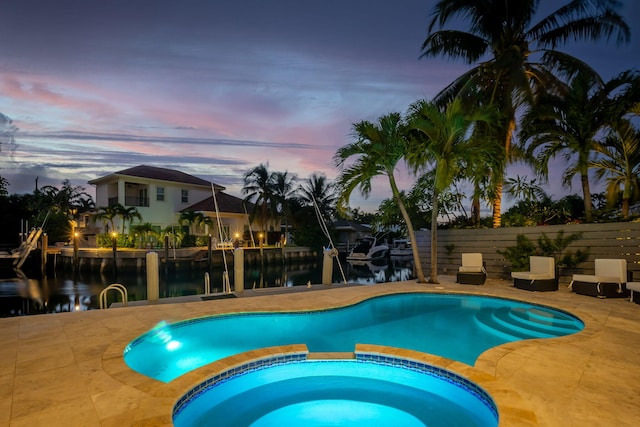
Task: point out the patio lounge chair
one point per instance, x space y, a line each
540 277
472 271
633 287
609 280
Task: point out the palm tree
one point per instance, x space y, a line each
378 147
258 186
193 219
128 214
620 164
4 185
107 214
570 123
442 140
283 190
521 58
520 188
319 190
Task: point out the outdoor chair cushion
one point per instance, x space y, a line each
541 276
471 263
540 268
609 279
472 271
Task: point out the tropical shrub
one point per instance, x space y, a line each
519 255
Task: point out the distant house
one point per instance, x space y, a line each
349 232
160 195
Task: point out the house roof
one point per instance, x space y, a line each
346 225
226 203
161 174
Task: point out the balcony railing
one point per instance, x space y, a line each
130 201
136 201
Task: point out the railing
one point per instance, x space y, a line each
136 201
130 201
116 287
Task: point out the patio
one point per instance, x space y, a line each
67 369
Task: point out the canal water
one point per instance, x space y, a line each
64 291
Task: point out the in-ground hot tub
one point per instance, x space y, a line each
372 390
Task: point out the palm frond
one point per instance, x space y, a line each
455 44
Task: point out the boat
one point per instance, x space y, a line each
368 249
401 248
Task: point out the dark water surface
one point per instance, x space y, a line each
64 291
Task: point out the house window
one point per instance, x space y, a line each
160 194
185 196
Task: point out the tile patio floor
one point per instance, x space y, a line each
67 370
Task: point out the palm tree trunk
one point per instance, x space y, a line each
475 206
586 193
410 231
497 206
497 203
434 238
626 196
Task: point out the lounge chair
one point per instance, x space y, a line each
633 287
609 280
472 271
540 277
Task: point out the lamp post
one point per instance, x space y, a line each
114 242
76 261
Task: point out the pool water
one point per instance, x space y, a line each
338 392
459 327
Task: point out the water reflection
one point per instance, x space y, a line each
65 291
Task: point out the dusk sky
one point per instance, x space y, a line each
214 88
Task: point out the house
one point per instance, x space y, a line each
349 232
160 195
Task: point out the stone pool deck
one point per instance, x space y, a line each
67 369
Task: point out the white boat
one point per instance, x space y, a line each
368 249
401 248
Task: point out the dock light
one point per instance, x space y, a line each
76 259
114 241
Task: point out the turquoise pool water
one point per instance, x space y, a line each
459 327
338 392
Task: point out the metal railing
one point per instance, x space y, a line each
115 287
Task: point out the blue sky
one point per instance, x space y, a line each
214 88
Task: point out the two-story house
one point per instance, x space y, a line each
161 194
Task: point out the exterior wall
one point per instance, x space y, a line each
159 213
611 240
232 224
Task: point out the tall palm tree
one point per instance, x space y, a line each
570 123
443 142
284 190
620 164
377 147
318 189
517 58
258 188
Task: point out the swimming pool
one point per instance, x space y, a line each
459 327
368 391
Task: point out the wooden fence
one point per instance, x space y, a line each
611 240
